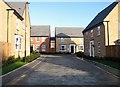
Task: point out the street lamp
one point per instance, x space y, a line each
107 30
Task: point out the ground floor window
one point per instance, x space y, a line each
43 47
18 41
37 48
62 48
80 47
31 48
98 47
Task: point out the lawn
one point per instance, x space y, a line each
11 67
112 64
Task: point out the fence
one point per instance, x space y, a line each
113 51
4 50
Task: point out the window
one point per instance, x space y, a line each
17 23
31 39
52 45
37 48
91 33
63 48
86 33
98 30
98 47
43 47
32 47
80 47
86 36
18 41
37 39
62 39
43 39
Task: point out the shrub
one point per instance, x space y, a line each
11 59
32 57
4 62
80 54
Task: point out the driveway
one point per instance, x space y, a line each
60 69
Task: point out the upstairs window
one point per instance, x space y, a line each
37 39
91 33
86 35
17 23
43 39
98 30
31 39
62 39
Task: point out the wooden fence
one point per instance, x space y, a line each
4 50
113 51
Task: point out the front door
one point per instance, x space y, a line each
92 48
72 49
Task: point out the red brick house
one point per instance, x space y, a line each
52 45
40 38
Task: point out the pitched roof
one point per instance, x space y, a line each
40 30
69 32
18 6
100 17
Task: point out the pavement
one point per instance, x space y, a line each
60 69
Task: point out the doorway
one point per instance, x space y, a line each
92 48
72 48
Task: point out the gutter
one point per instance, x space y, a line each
87 29
16 13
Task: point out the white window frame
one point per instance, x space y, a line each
18 43
37 40
31 39
43 47
52 46
62 39
43 39
17 24
99 47
79 48
91 33
37 47
61 48
98 30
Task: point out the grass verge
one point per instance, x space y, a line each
11 67
12 63
112 64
